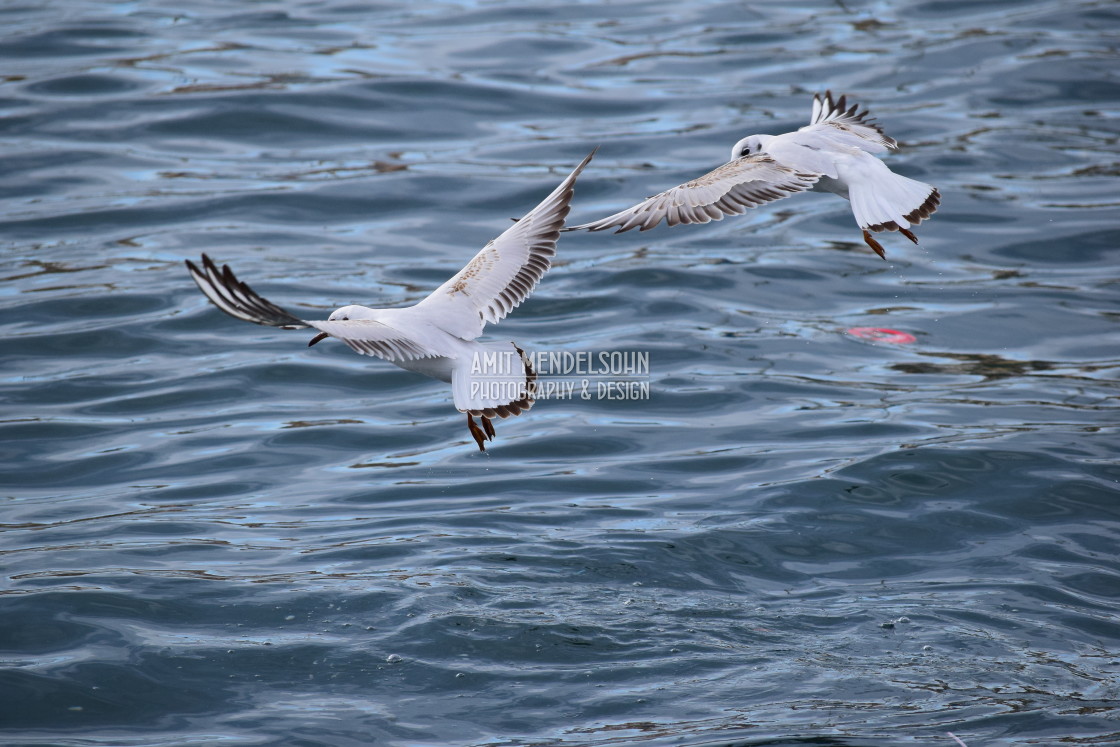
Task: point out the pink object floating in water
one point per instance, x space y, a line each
882 334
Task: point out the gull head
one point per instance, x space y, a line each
344 314
749 146
354 311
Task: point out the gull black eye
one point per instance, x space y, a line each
746 151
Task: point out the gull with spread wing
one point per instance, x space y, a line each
437 337
835 152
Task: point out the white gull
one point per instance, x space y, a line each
437 336
835 153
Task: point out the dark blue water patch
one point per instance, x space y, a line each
1100 583
730 559
19 167
1063 498
745 740
1089 89
94 694
18 124
506 55
82 469
1095 542
381 11
100 221
703 464
743 40
47 186
1088 19
490 19
267 118
1055 21
106 306
88 84
263 124
22 434
550 642
276 207
67 171
33 454
11 104
688 399
256 20
584 443
90 40
358 440
67 388
199 491
455 486
29 629
370 385
664 277
103 342
1089 247
402 96
855 431
800 275
144 469
877 511
383 555
152 401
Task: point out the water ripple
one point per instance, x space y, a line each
214 534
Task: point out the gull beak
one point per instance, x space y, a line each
318 338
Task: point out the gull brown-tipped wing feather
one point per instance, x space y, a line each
837 117
506 270
371 337
728 190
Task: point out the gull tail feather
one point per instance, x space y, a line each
496 381
892 204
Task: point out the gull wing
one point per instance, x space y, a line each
835 120
237 299
505 271
371 337
728 190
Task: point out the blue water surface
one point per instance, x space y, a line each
212 534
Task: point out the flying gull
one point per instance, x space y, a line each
437 337
835 153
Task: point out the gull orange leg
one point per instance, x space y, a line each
874 244
480 435
908 234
